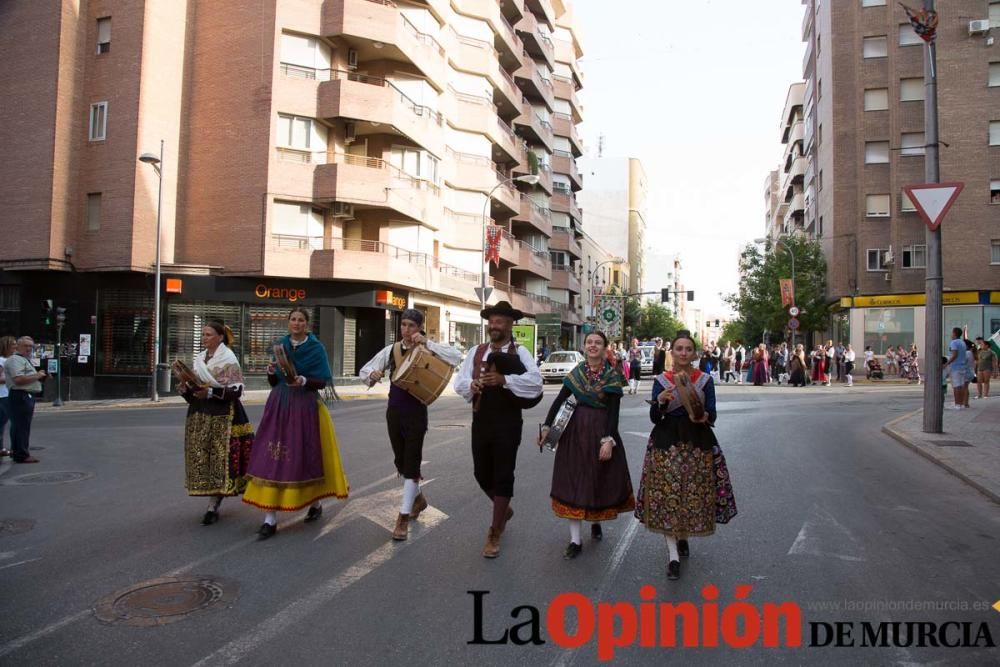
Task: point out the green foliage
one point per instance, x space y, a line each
732 332
656 321
758 300
532 163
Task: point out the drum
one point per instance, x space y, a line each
422 375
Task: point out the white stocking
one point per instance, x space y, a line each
411 488
672 548
574 530
213 503
270 518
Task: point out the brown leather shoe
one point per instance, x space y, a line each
492 547
401 531
419 505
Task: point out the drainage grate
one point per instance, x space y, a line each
951 443
165 600
15 526
55 477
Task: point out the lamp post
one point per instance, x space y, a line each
157 162
530 179
791 255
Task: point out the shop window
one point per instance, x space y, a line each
268 324
888 326
185 321
125 325
10 308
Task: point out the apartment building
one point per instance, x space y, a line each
863 140
348 156
615 205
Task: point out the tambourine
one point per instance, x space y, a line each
284 363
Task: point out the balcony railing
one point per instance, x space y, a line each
294 242
422 37
402 254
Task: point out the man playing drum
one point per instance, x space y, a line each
405 415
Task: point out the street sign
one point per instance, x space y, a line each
793 324
483 298
794 311
932 200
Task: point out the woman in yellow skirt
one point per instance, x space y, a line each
295 462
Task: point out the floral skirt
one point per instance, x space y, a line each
217 451
685 491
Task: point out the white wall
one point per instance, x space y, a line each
605 202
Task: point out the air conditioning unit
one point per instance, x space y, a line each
342 210
350 133
979 27
887 258
888 277
352 58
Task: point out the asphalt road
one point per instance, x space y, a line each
831 513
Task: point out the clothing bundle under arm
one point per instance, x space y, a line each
528 384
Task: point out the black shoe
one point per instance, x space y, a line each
572 551
674 570
266 530
595 532
315 512
211 516
683 549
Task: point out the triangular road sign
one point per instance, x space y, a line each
933 200
479 293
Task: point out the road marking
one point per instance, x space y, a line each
302 608
21 642
644 436
20 562
379 508
567 657
808 544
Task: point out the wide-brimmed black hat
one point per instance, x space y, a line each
501 308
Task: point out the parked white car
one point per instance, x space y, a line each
559 364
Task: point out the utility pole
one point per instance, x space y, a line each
934 285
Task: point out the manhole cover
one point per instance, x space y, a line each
951 443
165 600
15 526
55 477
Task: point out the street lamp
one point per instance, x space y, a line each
157 162
529 179
791 255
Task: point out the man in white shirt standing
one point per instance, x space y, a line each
24 384
849 357
7 345
498 398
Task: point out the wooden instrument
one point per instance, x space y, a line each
688 396
284 364
185 376
422 374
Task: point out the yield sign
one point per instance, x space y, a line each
933 200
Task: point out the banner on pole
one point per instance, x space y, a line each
787 292
493 236
924 22
609 315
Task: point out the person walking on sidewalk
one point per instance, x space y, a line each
738 366
405 416
849 364
590 478
685 488
296 461
985 362
499 378
7 346
218 435
24 385
958 369
635 367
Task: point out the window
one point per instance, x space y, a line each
995 251
995 133
295 132
98 121
995 192
877 206
876 152
912 143
914 256
876 99
994 74
819 181
819 231
873 3
905 205
911 89
414 162
994 14
93 211
103 35
875 47
908 36
875 259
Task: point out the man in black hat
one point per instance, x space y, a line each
499 378
405 416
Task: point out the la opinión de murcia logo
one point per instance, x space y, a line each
708 624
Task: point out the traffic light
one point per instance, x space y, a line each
46 312
716 324
665 295
60 316
691 295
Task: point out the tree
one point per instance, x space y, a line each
758 300
656 321
732 331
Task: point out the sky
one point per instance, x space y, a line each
694 89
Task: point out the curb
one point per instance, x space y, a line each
890 430
168 404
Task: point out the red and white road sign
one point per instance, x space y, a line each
933 200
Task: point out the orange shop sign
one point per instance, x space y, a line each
292 294
387 298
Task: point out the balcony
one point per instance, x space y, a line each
474 113
543 11
363 22
563 162
796 204
533 260
564 278
563 126
564 89
533 214
465 171
794 132
535 129
535 85
565 240
507 42
563 201
479 57
536 42
523 300
348 259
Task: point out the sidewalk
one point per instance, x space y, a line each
969 447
